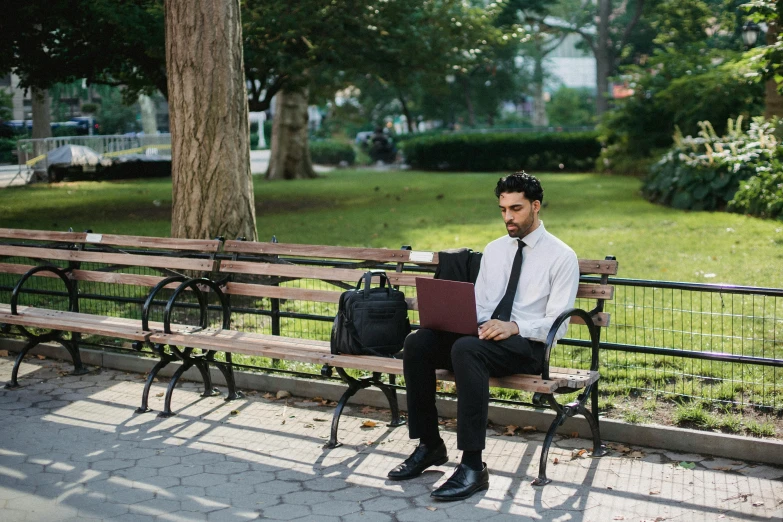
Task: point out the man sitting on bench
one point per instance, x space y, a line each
526 280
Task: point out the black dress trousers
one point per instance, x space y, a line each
473 362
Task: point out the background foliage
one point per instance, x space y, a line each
704 172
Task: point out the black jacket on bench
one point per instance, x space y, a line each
461 264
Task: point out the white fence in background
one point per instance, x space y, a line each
31 153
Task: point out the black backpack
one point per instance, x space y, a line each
371 321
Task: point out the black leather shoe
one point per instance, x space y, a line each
422 458
462 484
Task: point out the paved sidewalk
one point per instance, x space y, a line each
71 448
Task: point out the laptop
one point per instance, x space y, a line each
445 305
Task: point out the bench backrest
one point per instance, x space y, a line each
88 238
283 262
109 251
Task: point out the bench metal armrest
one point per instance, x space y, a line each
550 338
194 284
145 311
73 304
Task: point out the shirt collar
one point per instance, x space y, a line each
532 239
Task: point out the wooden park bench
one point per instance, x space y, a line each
296 274
148 265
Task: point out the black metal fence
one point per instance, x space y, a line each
715 343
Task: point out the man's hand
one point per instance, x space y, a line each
495 330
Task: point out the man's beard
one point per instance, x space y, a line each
520 230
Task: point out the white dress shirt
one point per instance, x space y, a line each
547 284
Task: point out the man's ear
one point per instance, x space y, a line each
536 206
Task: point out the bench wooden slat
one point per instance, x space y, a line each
49 322
199 245
591 291
558 378
277 347
119 278
108 258
295 294
91 276
19 269
598 267
165 243
84 323
42 235
331 296
382 255
311 272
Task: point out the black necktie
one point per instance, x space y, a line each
503 310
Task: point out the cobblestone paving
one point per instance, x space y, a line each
71 448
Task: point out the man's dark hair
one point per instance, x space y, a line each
521 182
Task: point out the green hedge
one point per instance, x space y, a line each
704 172
332 152
504 152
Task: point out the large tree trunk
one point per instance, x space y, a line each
212 189
406 112
149 123
290 151
42 128
773 101
603 57
42 113
468 101
539 104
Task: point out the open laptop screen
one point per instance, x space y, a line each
445 305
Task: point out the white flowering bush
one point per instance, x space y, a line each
704 172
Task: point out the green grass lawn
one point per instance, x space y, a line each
596 214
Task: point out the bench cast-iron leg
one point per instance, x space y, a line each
203 368
18 362
569 410
186 364
34 340
73 349
599 450
391 396
227 369
550 435
165 359
354 385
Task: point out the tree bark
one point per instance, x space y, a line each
468 101
42 128
539 104
603 57
42 113
290 151
149 123
406 112
212 189
773 101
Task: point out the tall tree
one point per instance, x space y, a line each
289 152
104 41
418 44
607 28
288 49
211 182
